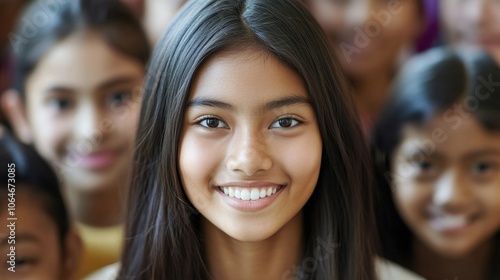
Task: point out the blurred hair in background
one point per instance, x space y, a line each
438 150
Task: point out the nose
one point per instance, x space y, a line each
358 13
477 10
248 154
452 192
86 127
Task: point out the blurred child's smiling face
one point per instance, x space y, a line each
377 31
473 23
39 253
82 103
449 195
251 148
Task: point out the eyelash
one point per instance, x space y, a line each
201 120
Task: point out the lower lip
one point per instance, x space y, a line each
250 205
98 161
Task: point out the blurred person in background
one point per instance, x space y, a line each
155 15
372 38
438 143
9 11
79 67
41 243
158 15
473 23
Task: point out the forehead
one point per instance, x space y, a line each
33 221
249 75
449 139
82 60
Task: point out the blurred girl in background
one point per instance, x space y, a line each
438 143
372 38
46 245
79 70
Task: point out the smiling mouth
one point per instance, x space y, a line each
250 194
452 223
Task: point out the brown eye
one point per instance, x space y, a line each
285 123
212 123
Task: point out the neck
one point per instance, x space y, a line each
97 209
271 258
372 92
432 266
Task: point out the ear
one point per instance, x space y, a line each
15 112
73 251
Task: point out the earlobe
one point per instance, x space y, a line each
15 112
73 251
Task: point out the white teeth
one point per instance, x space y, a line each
269 191
255 194
262 193
249 194
449 222
245 195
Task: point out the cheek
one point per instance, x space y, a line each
410 199
124 124
404 26
490 198
50 136
301 158
198 159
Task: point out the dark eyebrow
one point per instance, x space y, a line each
106 85
275 104
481 153
206 102
287 101
20 238
60 89
116 81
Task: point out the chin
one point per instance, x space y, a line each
245 234
452 250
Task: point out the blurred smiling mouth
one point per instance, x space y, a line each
96 160
452 224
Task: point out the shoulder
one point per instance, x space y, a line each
109 272
387 270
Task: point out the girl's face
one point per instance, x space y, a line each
368 35
447 183
39 253
82 103
473 23
251 149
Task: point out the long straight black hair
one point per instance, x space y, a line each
428 86
163 238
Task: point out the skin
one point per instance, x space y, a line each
247 143
158 15
472 23
39 252
458 177
372 65
81 109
